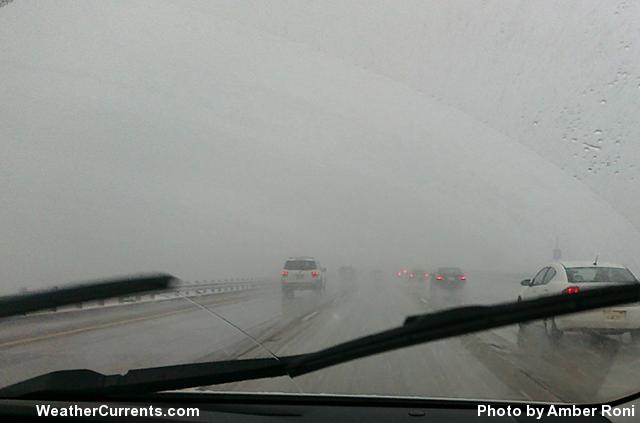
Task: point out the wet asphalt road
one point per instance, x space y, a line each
483 365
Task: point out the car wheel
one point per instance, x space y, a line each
552 330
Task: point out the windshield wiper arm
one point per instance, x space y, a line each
415 330
89 291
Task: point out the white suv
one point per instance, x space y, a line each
302 273
572 277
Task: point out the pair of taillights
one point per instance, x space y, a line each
461 277
314 274
571 290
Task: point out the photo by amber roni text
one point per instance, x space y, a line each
555 411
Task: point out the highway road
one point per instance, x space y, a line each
492 364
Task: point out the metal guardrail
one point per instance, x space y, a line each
183 289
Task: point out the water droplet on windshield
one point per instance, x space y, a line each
535 123
598 131
603 101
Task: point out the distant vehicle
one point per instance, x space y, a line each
572 277
347 273
418 274
448 277
403 273
302 273
412 274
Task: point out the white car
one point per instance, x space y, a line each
302 273
572 277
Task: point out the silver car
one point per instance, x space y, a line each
302 273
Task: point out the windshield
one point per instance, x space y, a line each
237 145
599 274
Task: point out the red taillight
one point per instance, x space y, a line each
315 274
426 275
284 273
439 277
572 290
399 274
463 278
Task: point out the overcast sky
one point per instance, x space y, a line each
214 139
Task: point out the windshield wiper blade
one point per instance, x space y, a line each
86 383
88 291
415 330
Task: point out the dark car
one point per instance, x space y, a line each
448 277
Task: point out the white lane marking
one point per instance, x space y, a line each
424 300
309 316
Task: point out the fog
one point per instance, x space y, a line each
215 139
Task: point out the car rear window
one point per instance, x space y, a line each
300 265
599 274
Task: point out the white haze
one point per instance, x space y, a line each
214 139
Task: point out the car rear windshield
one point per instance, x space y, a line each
300 265
449 271
599 274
